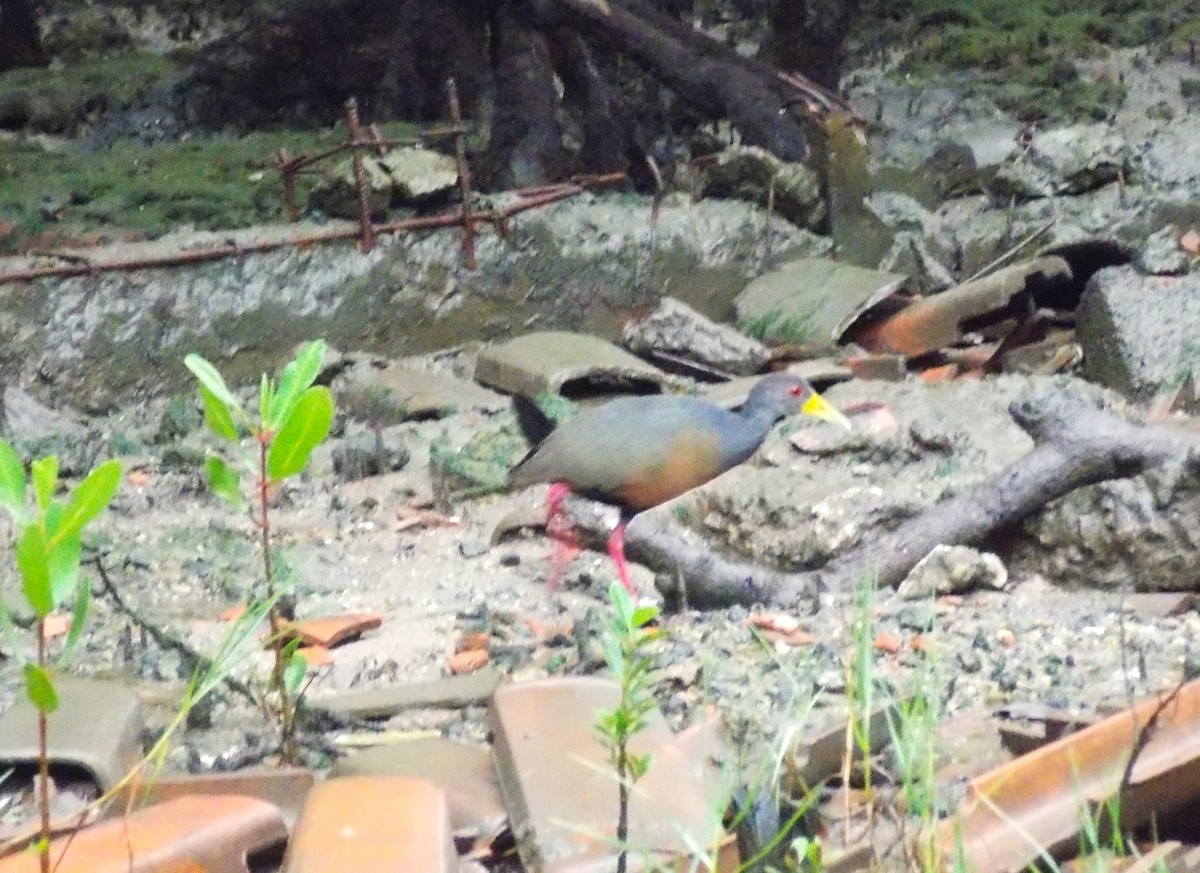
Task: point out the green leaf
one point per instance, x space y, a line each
643 615
293 673
622 604
223 480
79 615
35 571
12 481
40 688
44 472
86 502
296 378
211 379
303 430
62 561
218 416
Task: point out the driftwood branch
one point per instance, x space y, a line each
1075 444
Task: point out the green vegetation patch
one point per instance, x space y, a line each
1023 53
62 98
216 182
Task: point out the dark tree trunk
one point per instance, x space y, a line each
20 42
809 37
525 147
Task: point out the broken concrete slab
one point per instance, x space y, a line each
95 730
373 824
401 177
562 795
1139 333
463 771
451 691
561 362
386 393
678 331
811 301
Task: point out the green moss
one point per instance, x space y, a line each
64 97
211 183
1023 53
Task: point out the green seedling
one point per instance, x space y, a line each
294 417
625 641
48 548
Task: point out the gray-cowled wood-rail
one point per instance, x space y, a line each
637 452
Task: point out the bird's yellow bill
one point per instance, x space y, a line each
818 407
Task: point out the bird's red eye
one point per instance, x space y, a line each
796 390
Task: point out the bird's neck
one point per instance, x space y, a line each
752 428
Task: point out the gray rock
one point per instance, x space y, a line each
1140 334
369 454
1068 160
810 301
1124 534
920 617
560 362
910 256
747 173
678 330
402 177
953 570
1161 254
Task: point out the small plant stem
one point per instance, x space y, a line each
43 760
622 807
287 722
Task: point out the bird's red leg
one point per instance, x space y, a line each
616 551
560 529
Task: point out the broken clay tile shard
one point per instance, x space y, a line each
333 630
561 790
214 834
94 731
450 691
560 362
463 771
373 824
285 787
936 322
1017 811
812 301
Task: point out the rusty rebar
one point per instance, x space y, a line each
321 235
464 177
366 238
287 169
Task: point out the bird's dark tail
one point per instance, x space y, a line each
535 425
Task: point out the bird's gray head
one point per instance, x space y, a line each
781 394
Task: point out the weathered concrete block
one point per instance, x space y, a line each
1140 334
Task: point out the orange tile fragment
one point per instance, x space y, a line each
373 823
316 656
473 642
137 477
233 613
56 625
468 661
944 373
888 643
1190 241
333 630
185 835
778 627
